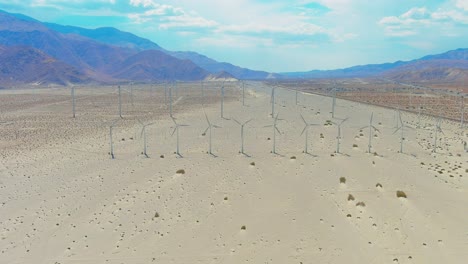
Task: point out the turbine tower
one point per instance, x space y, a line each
306 131
242 125
143 134
401 128
371 127
275 129
338 137
111 127
210 126
176 130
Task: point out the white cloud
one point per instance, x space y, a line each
417 20
293 29
462 4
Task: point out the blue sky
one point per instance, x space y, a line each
275 35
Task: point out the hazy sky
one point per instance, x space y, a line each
274 35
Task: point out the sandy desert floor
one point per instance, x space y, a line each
64 200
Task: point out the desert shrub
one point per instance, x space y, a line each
361 204
401 194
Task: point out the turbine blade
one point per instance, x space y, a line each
305 128
207 120
175 128
236 121
245 123
397 130
303 119
206 130
277 130
215 126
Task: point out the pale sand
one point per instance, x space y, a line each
70 203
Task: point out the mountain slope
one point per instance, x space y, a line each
29 65
215 66
154 65
99 61
108 35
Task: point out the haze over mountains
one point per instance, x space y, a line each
46 53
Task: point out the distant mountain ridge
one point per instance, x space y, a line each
100 62
441 67
115 37
108 55
29 65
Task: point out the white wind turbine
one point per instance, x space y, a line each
371 127
143 134
111 127
401 127
338 137
334 100
437 129
273 102
242 125
275 129
306 131
176 130
208 129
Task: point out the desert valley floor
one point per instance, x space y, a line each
64 200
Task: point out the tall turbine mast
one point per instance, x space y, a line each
242 125
338 137
176 130
143 134
208 129
371 127
275 129
306 131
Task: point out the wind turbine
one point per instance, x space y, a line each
419 117
338 137
176 129
437 129
143 134
401 127
334 100
370 126
242 125
111 127
210 126
275 129
306 131
273 102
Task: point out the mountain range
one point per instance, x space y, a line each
45 53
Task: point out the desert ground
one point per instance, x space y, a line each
63 199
